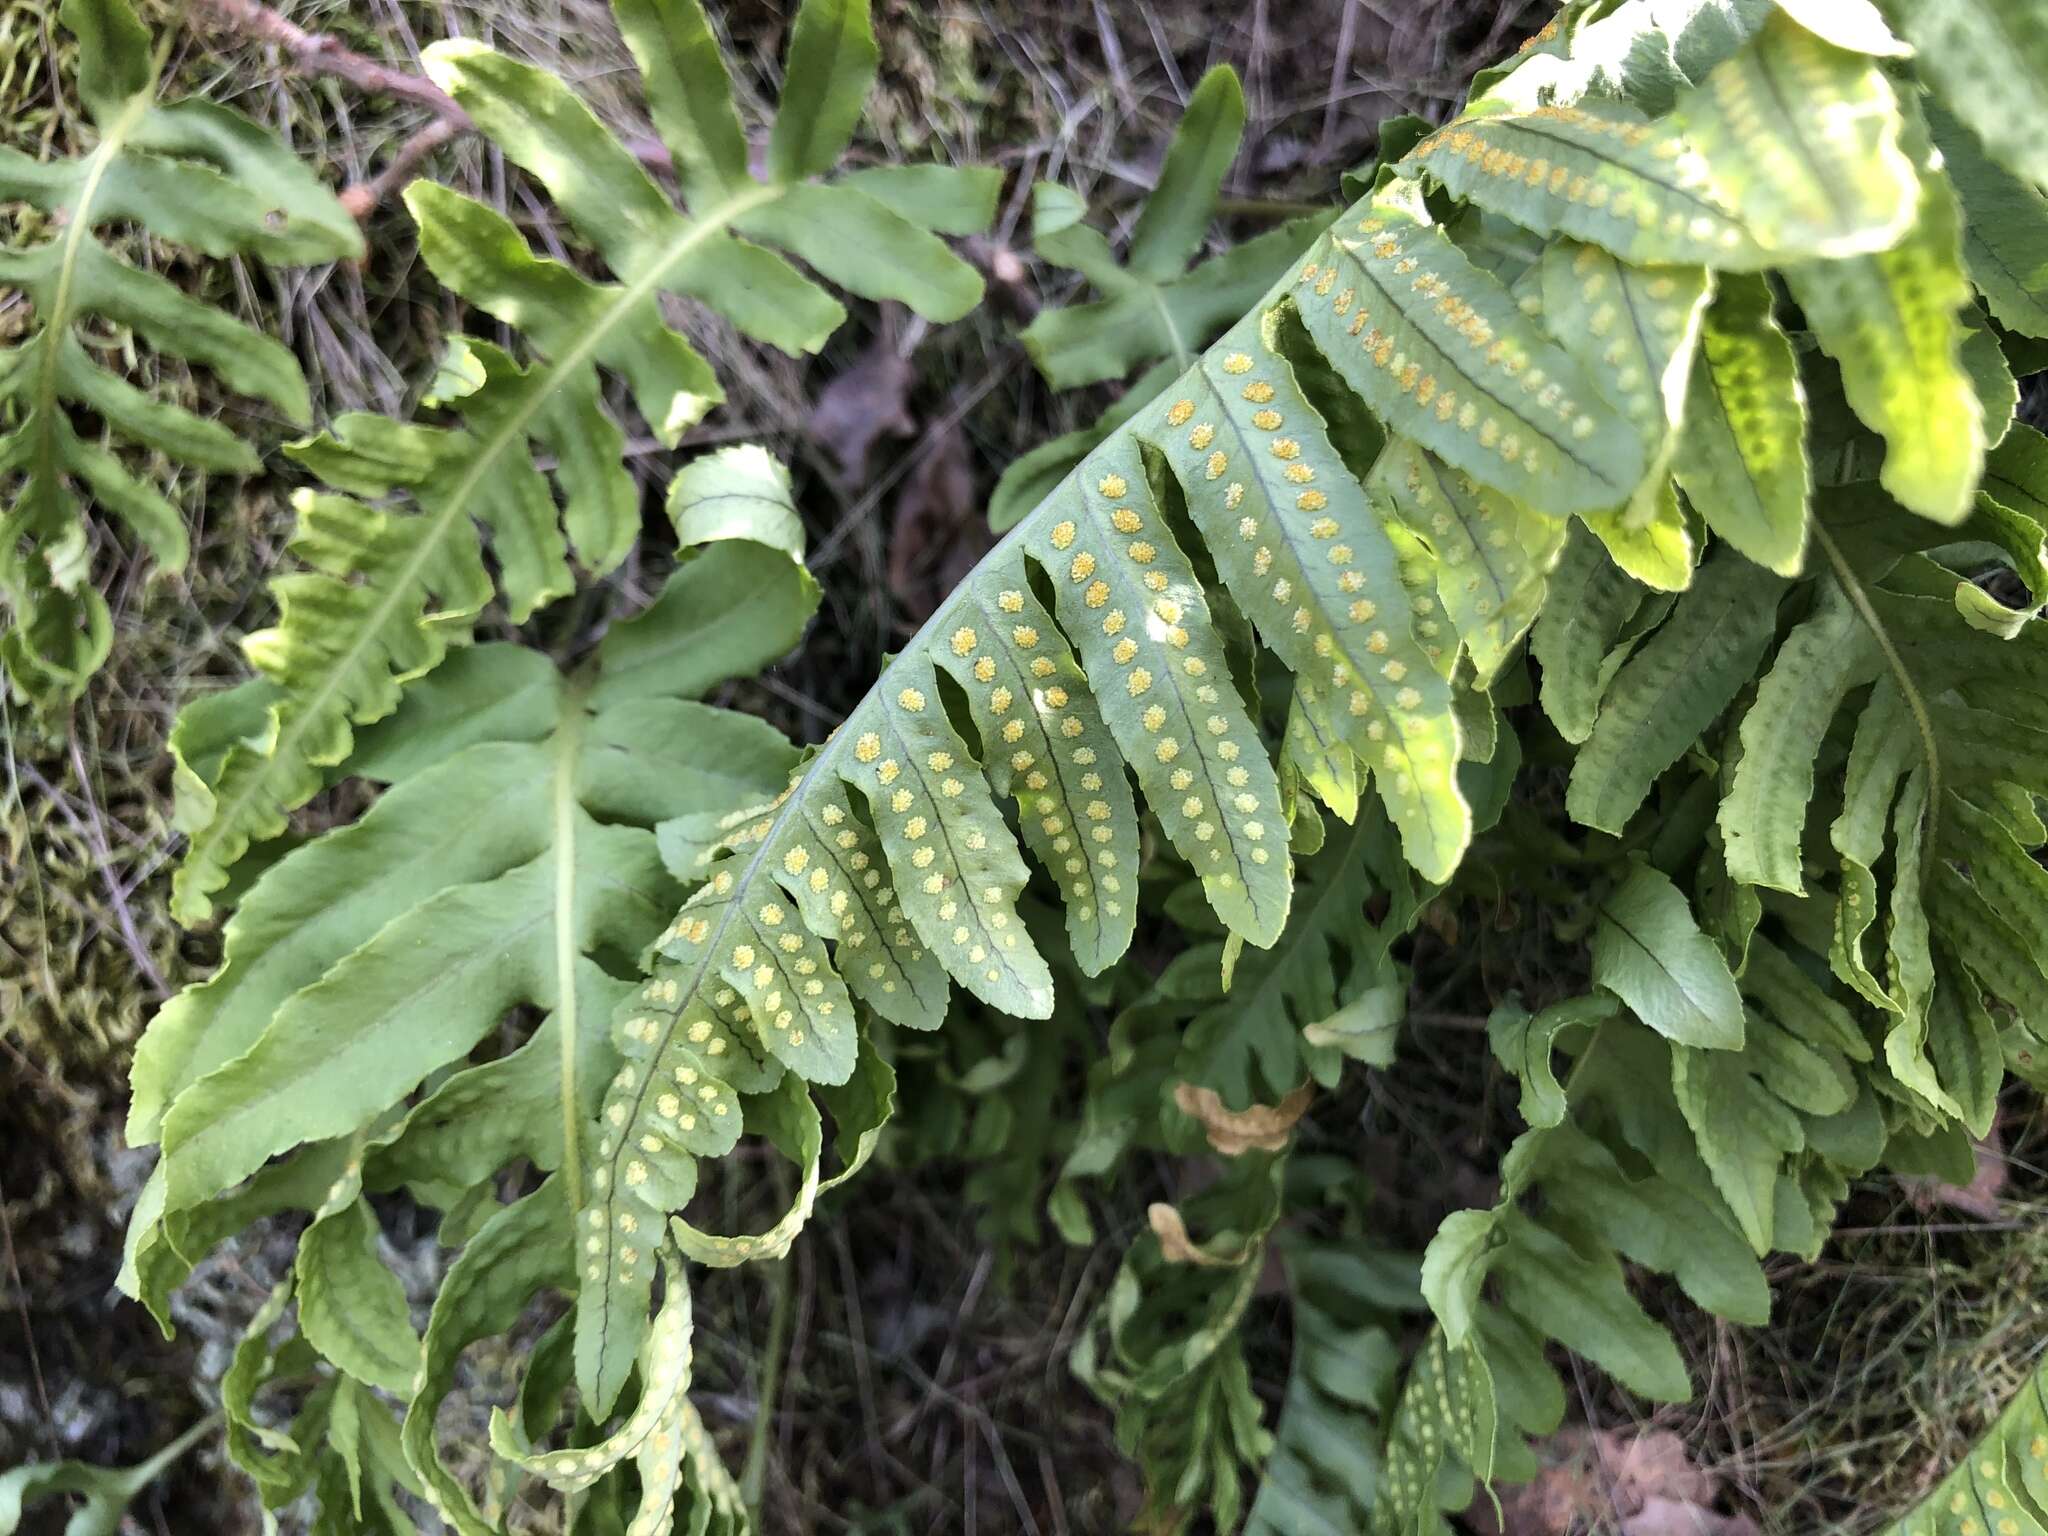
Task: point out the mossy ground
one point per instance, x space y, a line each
923 1384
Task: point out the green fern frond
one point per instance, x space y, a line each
383 592
1155 304
193 174
1164 1350
1818 954
1159 306
2002 1484
520 832
1326 1472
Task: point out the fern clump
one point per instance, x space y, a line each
192 174
1647 411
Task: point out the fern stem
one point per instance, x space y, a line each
1182 358
1923 722
57 323
568 747
506 435
754 1475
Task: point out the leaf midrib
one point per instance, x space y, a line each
56 319
441 521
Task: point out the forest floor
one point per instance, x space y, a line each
924 1384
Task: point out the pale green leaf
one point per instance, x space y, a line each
1890 319
1803 137
1176 216
351 1306
831 66
689 93
1597 172
1741 456
1649 952
1307 557
736 493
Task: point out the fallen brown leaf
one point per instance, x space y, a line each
866 401
938 535
1233 1132
1641 1484
1980 1197
1175 1246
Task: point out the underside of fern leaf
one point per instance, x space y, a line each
192 174
385 590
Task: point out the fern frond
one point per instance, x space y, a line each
2005 227
1165 1354
1741 454
383 592
1154 305
2002 1481
1891 319
1987 62
190 173
1159 306
1325 1472
519 833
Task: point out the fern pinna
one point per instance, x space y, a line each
193 174
1664 357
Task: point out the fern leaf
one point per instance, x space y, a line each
1673 687
1741 457
1306 552
326 962
1763 814
192 174
1576 639
1158 303
1492 552
1986 60
1649 952
1443 357
2003 1479
665 1363
2005 227
1264 1034
1808 135
389 590
516 1254
1165 1353
1325 1472
1127 597
1635 330
1598 173
352 1309
1890 319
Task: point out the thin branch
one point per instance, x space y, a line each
361 198
318 53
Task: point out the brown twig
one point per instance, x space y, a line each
317 53
320 54
362 197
